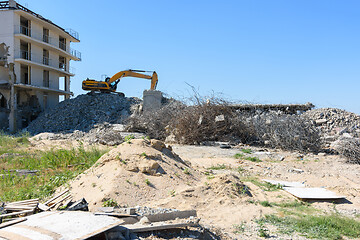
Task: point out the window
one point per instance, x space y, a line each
25 50
45 35
25 74
62 63
46 78
25 26
62 43
45 57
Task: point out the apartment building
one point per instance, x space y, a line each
35 70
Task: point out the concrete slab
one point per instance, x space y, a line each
312 193
285 183
60 225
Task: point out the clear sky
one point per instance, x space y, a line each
261 51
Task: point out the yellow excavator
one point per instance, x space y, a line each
110 84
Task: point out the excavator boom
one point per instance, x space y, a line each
110 84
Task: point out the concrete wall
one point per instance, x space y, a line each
7 30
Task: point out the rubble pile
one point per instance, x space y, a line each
102 133
335 123
84 112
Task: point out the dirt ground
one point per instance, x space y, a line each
189 177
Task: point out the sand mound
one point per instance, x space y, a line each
132 174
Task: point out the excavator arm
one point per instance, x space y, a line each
110 84
135 73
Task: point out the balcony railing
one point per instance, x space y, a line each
25 30
46 39
43 60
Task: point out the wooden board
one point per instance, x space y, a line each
312 193
61 225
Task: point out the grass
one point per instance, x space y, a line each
110 203
263 185
128 138
55 168
239 228
246 150
239 155
242 156
218 167
186 171
252 159
321 227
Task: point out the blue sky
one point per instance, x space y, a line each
261 51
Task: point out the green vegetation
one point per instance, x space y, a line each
242 156
147 182
110 203
246 150
218 167
262 229
252 159
265 204
321 227
187 171
55 167
128 138
263 185
143 154
239 155
239 228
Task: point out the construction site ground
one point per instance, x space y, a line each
228 193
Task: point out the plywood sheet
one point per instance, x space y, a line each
312 193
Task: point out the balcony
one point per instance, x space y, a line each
47 41
44 62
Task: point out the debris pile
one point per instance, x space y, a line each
334 123
284 131
83 112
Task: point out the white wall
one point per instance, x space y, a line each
7 31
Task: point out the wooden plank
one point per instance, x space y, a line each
16 213
313 193
56 204
25 201
12 222
43 207
13 208
156 226
56 197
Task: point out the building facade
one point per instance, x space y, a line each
35 70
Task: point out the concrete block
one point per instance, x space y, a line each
152 100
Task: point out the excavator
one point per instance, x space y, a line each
110 84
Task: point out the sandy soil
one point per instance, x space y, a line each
223 198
